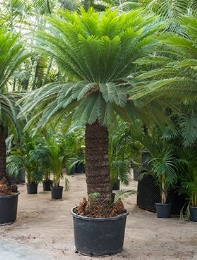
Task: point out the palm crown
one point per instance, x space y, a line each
97 50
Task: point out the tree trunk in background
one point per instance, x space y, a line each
3 175
97 165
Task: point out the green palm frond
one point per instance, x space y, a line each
175 61
171 10
188 128
98 51
11 55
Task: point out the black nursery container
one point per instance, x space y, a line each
56 192
148 194
32 188
99 236
47 185
8 208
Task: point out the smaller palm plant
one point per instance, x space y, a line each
123 149
12 55
24 156
162 162
188 175
62 148
164 170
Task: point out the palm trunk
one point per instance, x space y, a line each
3 176
97 165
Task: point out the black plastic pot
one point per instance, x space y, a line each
99 236
80 167
8 208
56 192
136 174
163 210
193 213
148 194
116 185
47 185
20 178
32 188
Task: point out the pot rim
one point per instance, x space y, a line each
159 203
10 195
54 187
192 206
99 219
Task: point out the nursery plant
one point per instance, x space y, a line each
25 155
12 55
97 51
173 67
123 150
162 165
61 148
188 176
88 47
162 160
186 151
164 170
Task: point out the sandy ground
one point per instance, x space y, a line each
46 226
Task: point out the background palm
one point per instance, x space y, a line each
175 62
11 56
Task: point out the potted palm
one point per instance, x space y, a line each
161 164
188 180
12 55
55 162
97 51
122 151
42 152
24 156
164 171
61 148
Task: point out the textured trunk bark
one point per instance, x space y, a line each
97 165
3 175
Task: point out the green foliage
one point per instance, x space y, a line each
123 149
164 169
24 156
173 72
61 150
188 175
92 197
122 194
97 51
162 162
12 54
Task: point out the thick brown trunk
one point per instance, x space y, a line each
3 175
97 165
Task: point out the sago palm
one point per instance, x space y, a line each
11 56
96 50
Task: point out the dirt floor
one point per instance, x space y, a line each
46 225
